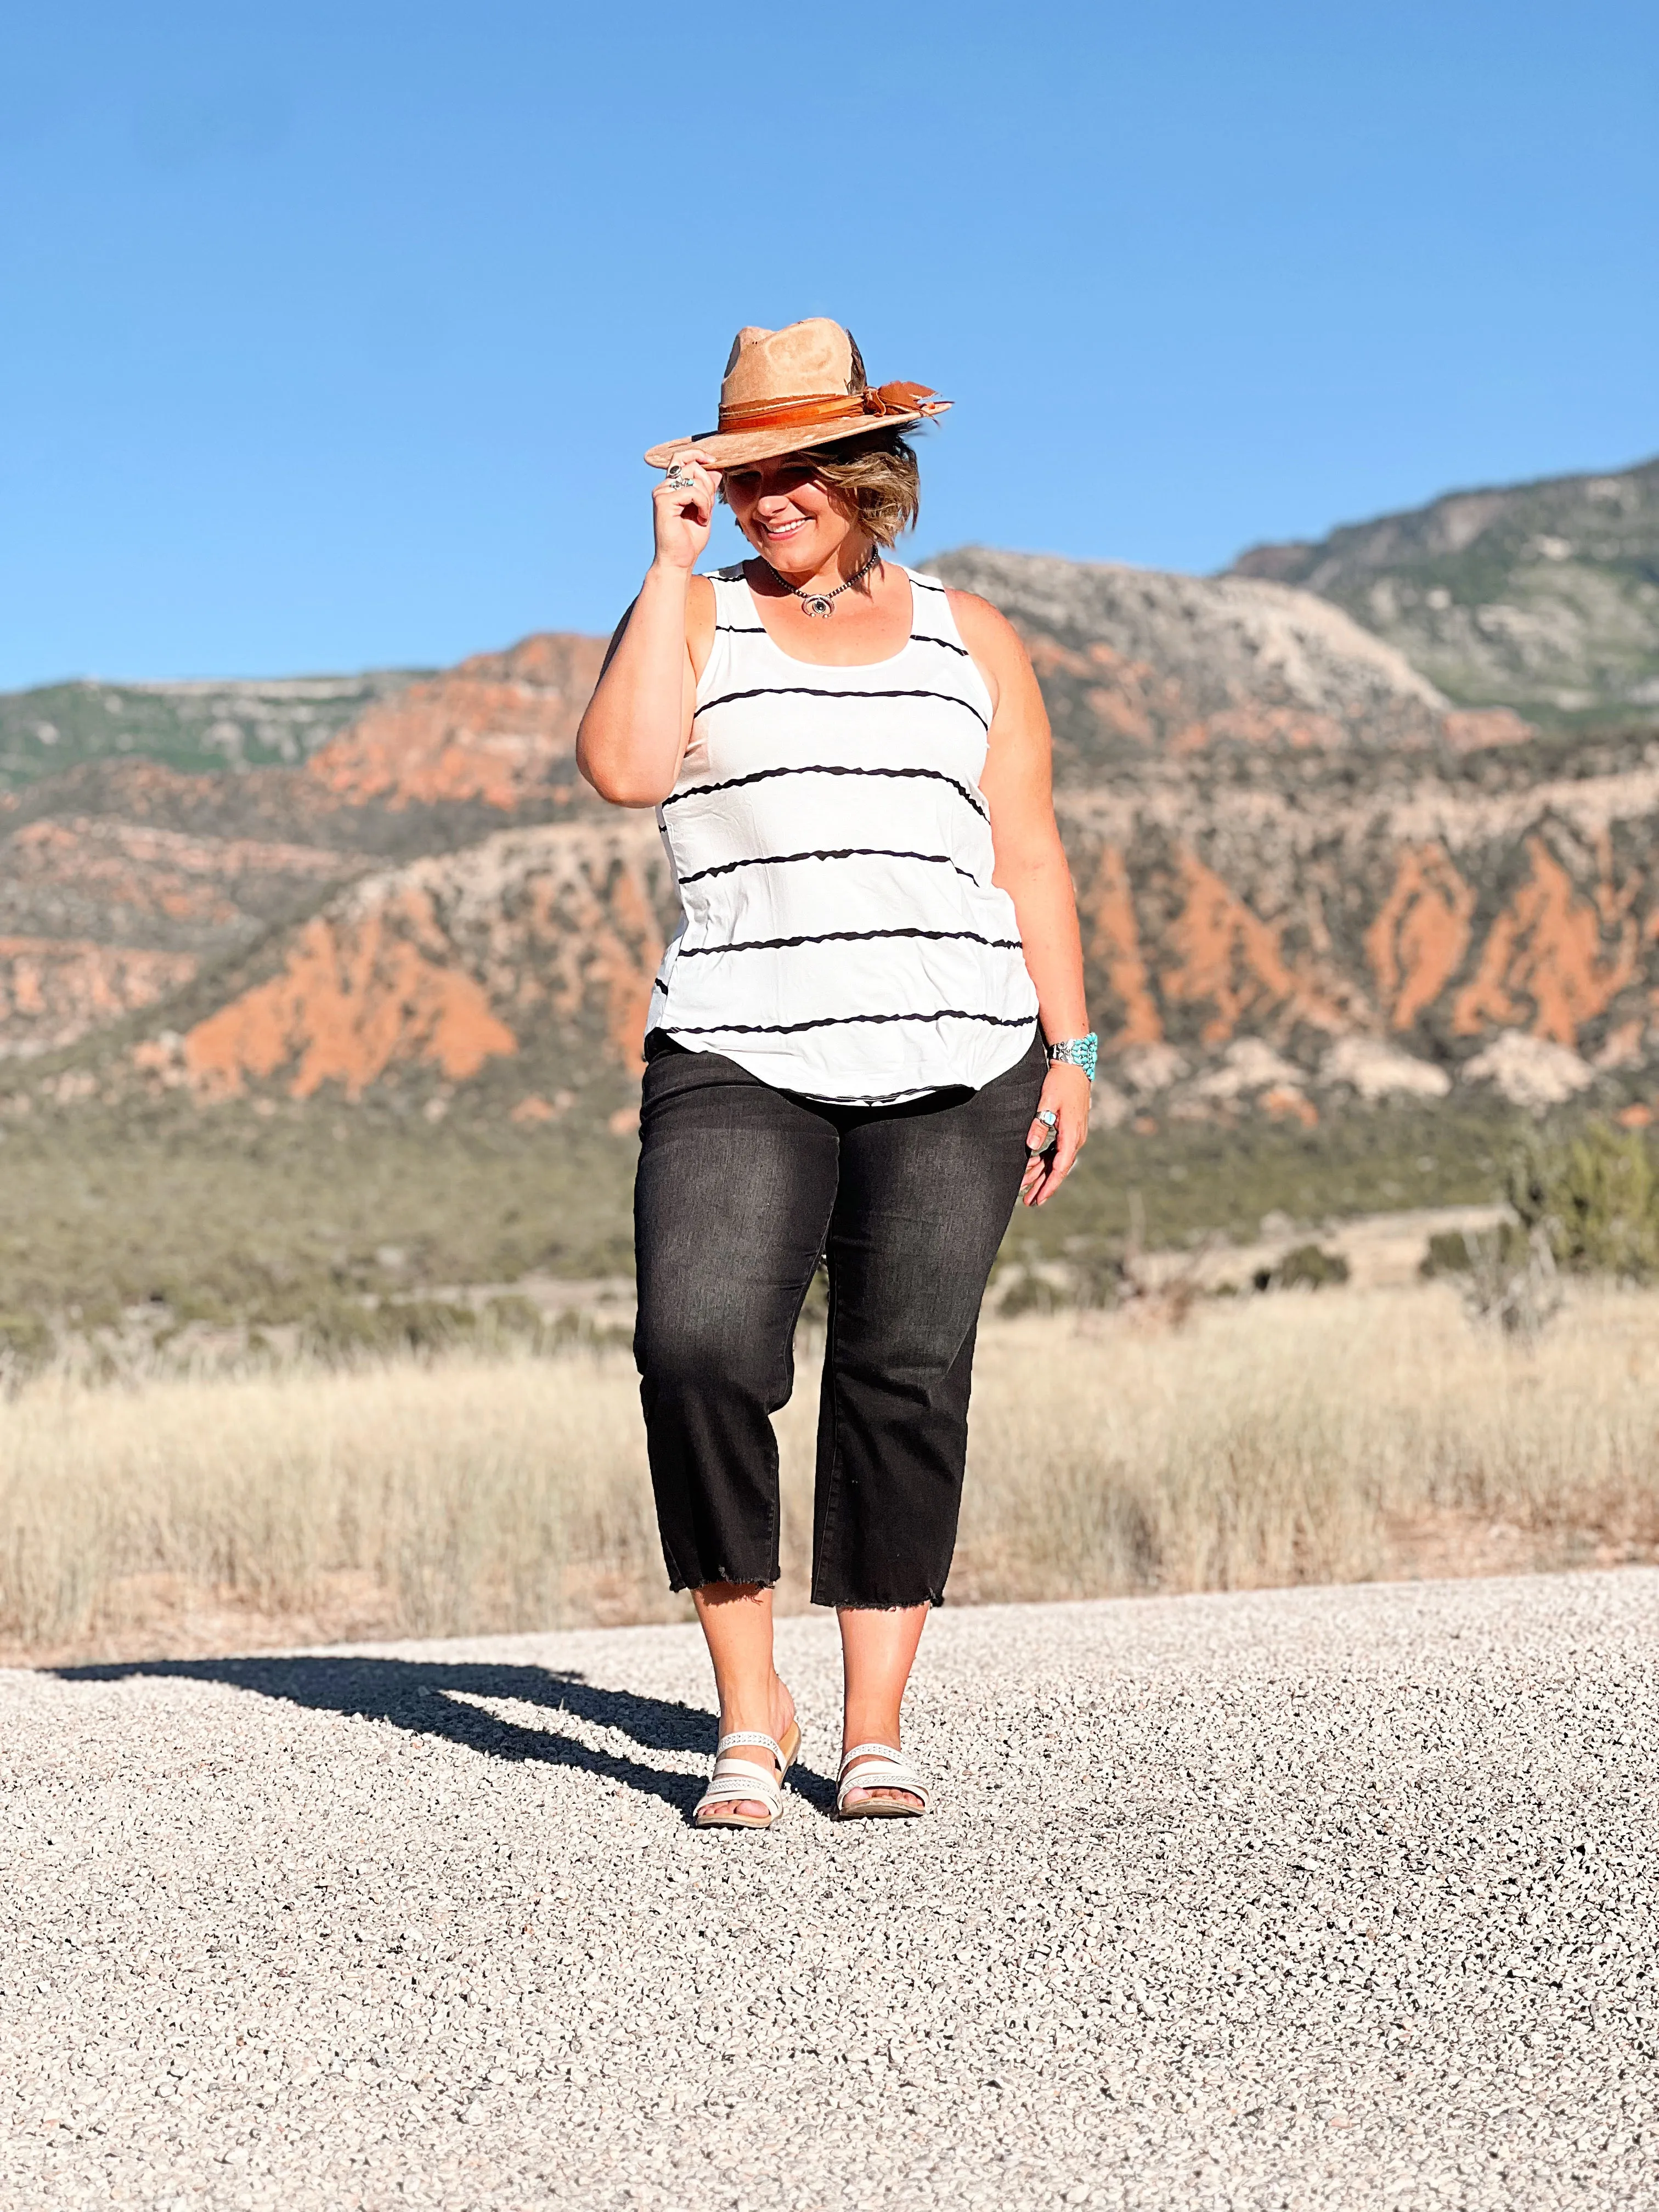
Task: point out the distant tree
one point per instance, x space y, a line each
1593 1197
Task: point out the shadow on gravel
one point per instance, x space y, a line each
434 1698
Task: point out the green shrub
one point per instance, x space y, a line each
1305 1267
1098 1270
1593 1199
1030 1293
513 1315
1465 1251
347 1330
26 1342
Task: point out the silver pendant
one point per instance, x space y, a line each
816 604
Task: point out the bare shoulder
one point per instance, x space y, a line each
983 625
700 606
997 649
700 617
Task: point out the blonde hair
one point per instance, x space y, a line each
878 475
875 474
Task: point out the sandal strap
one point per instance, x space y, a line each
878 1767
752 1735
741 1784
872 1750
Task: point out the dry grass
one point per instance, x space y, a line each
1288 1439
1334 1437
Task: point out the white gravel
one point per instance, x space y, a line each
1336 1898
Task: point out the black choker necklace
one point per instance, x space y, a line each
823 603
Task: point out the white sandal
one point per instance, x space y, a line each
739 1782
878 1767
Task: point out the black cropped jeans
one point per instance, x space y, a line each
741 1188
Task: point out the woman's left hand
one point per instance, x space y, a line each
1065 1095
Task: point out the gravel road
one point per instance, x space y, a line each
1332 1897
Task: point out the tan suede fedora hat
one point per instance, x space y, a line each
786 390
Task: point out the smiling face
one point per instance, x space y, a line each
791 517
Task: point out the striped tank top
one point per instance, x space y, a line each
842 937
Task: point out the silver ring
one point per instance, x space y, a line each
1050 1121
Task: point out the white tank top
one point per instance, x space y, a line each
842 935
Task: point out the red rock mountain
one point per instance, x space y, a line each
500 730
123 881
1303 875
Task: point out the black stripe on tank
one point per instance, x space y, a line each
851 937
820 768
927 584
834 853
742 629
841 1021
816 692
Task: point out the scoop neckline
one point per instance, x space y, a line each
794 659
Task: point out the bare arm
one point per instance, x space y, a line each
638 722
1033 868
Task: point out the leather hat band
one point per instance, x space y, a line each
828 407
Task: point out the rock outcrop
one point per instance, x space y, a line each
198 726
122 880
500 729
1543 596
536 945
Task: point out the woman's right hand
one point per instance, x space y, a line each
684 510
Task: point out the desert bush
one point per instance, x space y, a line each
1101 1267
1304 1267
1460 1251
1505 1274
351 1329
1513 1281
26 1342
347 1329
1094 1274
1032 1293
510 1314
1592 1198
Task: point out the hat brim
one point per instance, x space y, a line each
729 449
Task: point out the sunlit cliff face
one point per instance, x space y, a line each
792 520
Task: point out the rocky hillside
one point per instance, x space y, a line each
56 727
1542 596
121 882
1135 662
527 956
1372 929
1307 879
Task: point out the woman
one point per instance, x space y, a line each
850 766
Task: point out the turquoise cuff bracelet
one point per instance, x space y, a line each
1078 1052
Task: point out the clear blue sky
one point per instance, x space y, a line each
333 331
